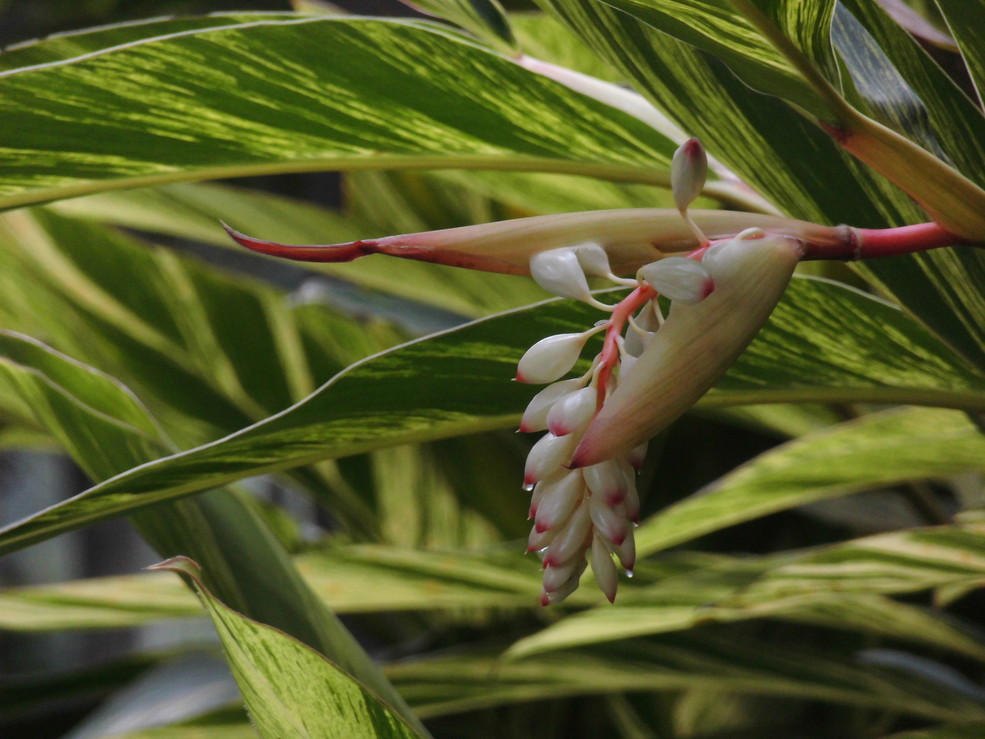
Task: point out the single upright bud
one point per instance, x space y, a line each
688 171
680 279
550 358
560 272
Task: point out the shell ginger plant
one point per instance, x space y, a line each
652 368
784 451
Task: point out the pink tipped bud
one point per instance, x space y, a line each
547 456
550 358
604 569
609 524
637 455
535 416
593 259
572 538
606 480
627 552
631 503
558 501
540 539
559 272
688 171
572 412
552 598
556 578
681 279
541 488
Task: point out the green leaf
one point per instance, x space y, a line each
484 18
75 44
106 430
823 343
794 171
193 211
738 663
957 124
964 21
838 586
356 93
717 27
873 451
289 689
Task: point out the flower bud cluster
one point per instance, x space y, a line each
590 510
582 472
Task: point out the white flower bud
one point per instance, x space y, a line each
681 279
535 416
573 412
550 358
547 599
606 481
556 578
627 552
572 538
637 455
547 457
688 171
559 500
604 569
593 259
540 539
609 524
559 272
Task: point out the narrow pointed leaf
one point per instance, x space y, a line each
739 663
840 586
873 451
106 430
717 27
290 689
851 347
484 18
964 21
360 93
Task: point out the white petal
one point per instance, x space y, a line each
547 457
681 279
572 412
550 358
572 539
610 525
606 481
593 259
688 171
535 416
559 500
559 272
604 569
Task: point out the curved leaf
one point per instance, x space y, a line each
823 343
873 451
716 26
839 586
299 94
290 689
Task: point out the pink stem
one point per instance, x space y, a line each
870 243
609 356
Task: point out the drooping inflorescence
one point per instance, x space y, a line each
652 367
